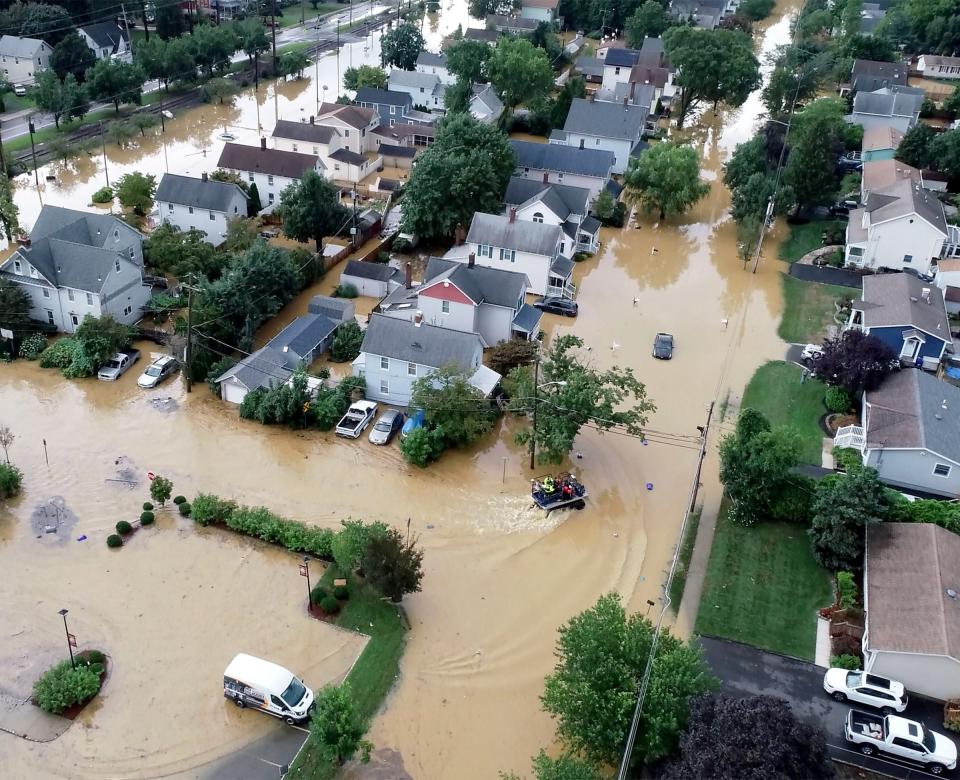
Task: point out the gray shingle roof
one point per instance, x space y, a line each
362 270
384 97
527 318
106 34
291 165
590 225
485 94
348 157
426 345
393 150
908 411
413 79
622 58
429 59
337 309
897 299
869 75
498 231
510 23
653 54
355 116
483 285
304 131
608 120
562 267
478 34
561 199
267 367
589 66
15 46
903 198
568 159
304 334
187 191
896 101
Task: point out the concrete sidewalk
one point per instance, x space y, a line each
22 719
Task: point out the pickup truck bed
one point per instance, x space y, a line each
114 368
357 418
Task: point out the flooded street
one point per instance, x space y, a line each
175 604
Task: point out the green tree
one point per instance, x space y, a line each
45 20
336 728
179 63
181 254
393 565
467 60
422 447
144 121
102 337
465 170
507 355
604 206
714 66
519 71
401 46
365 76
63 100
136 190
11 479
254 205
71 55
161 489
843 506
15 305
665 179
294 62
756 9
579 394
815 143
452 406
150 56
564 767
351 541
481 9
219 89
254 42
798 74
169 19
311 209
456 97
748 158
952 103
346 343
241 234
9 211
115 81
945 151
650 20
601 656
915 148
751 200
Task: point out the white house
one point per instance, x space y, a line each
900 226
23 58
431 64
558 163
936 67
306 138
395 353
910 598
267 367
485 106
556 204
271 170
487 301
106 40
352 155
78 264
530 248
948 280
200 204
617 65
540 10
426 89
613 127
371 279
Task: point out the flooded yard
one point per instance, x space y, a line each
174 605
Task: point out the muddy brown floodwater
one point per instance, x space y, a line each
176 603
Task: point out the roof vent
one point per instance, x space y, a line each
951 593
417 345
944 404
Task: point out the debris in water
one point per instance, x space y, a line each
82 538
430 525
165 404
649 486
51 518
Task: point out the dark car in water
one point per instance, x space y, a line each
555 305
663 346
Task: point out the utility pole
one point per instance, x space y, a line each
354 230
3 160
143 15
126 28
188 355
273 29
103 148
536 398
33 151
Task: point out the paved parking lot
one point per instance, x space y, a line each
747 671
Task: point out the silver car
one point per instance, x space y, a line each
157 371
387 426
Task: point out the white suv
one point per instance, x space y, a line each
886 695
157 371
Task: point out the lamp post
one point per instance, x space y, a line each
305 572
71 639
536 403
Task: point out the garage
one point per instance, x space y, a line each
373 280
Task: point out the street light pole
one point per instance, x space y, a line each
63 614
305 571
536 398
33 152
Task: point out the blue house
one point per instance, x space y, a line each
907 314
393 107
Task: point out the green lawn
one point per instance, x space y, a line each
374 672
287 17
808 309
763 587
805 238
776 391
679 580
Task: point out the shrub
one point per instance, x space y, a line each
847 459
33 346
114 540
218 369
346 342
851 662
184 509
62 686
837 400
160 489
846 590
341 592
176 500
124 528
147 506
330 605
146 518
345 291
422 447
10 480
318 594
103 195
207 509
93 657
845 645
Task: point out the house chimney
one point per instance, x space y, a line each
925 294
513 215
418 319
408 280
311 119
633 86
263 143
546 177
471 260
203 176
626 101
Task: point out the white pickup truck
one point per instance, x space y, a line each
357 418
118 364
900 737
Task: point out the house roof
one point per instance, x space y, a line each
187 191
479 34
914 410
426 345
404 131
429 59
304 334
397 151
903 198
483 285
891 102
559 157
348 157
106 34
621 58
539 3
15 46
383 97
337 309
378 271
500 22
562 266
527 318
414 79
897 299
355 116
496 230
876 137
561 199
608 120
870 75
589 66
911 569
937 59
304 131
485 94
652 53
635 94
878 174
267 367
291 165
649 74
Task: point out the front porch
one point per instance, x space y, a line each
559 280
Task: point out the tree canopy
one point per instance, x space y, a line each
72 55
816 141
916 148
336 727
452 406
365 76
665 179
855 361
115 81
136 190
650 20
401 46
311 209
182 253
519 71
65 100
467 60
393 564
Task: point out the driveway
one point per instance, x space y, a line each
747 671
826 275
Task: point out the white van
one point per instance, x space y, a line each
253 682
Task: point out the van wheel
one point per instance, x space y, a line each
839 696
868 750
289 721
935 769
239 703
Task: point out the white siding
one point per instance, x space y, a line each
540 14
441 73
613 75
189 218
914 469
24 70
936 676
495 324
269 186
232 391
888 243
592 183
399 381
536 267
621 149
371 288
460 316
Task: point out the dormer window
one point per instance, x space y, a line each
17 267
538 216
117 265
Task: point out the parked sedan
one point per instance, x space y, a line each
663 346
157 371
386 427
874 691
555 305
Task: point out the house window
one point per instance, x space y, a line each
597 142
908 258
336 166
17 268
212 216
346 133
484 250
127 311
316 150
236 210
250 176
562 247
89 299
69 295
269 197
393 109
74 319
941 470
270 179
526 170
50 316
46 293
445 307
170 207
189 209
538 216
411 369
508 254
295 148
117 265
560 176
384 387
33 271
616 71
856 251
385 363
116 234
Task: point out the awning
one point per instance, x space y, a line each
527 319
485 380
